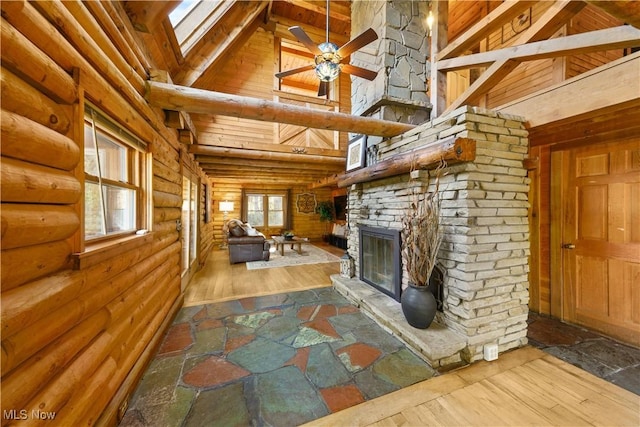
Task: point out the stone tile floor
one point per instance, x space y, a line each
286 359
603 357
278 360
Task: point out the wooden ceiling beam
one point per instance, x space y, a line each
234 28
556 16
205 140
146 15
181 98
595 41
241 153
485 26
204 161
603 89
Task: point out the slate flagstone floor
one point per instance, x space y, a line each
286 359
278 360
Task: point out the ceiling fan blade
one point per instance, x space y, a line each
305 40
295 71
323 89
355 44
358 71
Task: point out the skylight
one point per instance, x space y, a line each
192 19
181 11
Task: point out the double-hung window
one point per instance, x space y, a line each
114 163
266 210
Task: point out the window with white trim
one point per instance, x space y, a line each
114 173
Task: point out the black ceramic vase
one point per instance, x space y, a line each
418 305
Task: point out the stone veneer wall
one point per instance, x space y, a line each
400 55
485 215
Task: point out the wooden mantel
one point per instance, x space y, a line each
188 99
451 150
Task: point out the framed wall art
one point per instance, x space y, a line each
356 152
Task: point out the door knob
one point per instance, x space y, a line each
568 246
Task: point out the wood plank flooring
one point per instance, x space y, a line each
220 281
524 387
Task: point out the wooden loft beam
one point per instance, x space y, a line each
180 98
234 28
611 86
328 181
451 150
594 41
556 16
214 161
242 153
493 21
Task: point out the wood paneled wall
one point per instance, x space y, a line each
591 19
75 341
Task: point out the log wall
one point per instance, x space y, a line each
77 336
303 224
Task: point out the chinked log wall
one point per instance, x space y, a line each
74 342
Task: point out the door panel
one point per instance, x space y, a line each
601 239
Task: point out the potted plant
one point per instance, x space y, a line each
326 212
288 235
421 239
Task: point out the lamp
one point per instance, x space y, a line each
225 207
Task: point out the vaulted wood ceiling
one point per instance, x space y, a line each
264 161
261 161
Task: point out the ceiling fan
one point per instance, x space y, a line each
328 57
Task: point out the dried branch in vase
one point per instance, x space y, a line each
422 232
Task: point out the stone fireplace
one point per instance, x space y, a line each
484 255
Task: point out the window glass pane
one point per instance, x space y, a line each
255 210
276 213
120 209
93 213
90 157
113 159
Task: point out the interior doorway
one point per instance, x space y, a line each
596 238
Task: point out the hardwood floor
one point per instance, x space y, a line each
220 281
523 387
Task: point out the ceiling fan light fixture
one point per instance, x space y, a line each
327 71
328 63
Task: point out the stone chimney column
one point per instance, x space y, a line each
399 92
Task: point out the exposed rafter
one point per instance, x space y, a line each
180 98
542 29
594 41
235 27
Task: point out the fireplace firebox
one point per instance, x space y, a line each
380 260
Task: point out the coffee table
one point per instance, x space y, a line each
296 242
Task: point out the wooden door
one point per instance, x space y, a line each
601 239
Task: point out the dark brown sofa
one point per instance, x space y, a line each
245 243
